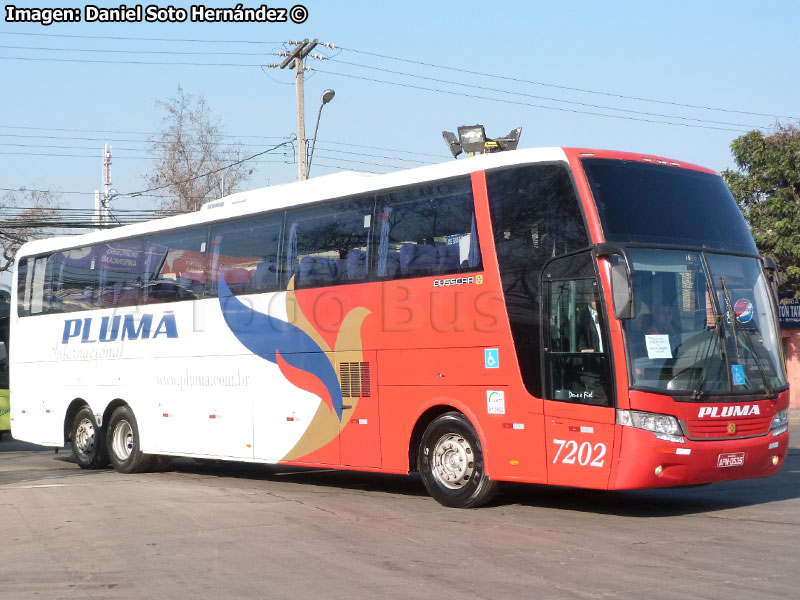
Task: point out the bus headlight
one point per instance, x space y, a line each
665 427
780 422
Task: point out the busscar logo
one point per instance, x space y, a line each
725 412
125 327
454 281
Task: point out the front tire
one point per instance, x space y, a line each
123 443
88 441
451 463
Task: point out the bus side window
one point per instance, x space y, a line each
72 279
173 267
245 253
429 230
328 245
120 263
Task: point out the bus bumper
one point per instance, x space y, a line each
647 462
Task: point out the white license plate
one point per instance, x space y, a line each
730 459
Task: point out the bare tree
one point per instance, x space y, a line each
191 155
25 215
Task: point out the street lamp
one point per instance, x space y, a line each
327 96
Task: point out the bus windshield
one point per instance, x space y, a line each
704 324
649 204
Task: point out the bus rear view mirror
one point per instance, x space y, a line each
622 293
771 269
621 280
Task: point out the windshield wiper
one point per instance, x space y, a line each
719 337
699 390
768 389
731 314
735 331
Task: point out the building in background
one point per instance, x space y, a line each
789 316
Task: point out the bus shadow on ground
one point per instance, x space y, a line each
404 485
664 502
9 444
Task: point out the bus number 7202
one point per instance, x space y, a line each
585 454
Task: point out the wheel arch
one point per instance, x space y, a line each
427 417
78 403
111 407
69 416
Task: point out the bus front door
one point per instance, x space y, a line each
578 406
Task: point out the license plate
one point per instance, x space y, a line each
730 459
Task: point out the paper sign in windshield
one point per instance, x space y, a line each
658 346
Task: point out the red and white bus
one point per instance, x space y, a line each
554 316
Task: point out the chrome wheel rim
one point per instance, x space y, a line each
453 461
122 440
84 438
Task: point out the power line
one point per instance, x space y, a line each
129 62
111 51
223 135
558 108
565 87
187 180
94 156
548 98
404 60
139 39
23 189
125 149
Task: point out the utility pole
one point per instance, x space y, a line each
301 50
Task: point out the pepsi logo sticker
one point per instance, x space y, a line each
744 310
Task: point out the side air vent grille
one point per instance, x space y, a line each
355 379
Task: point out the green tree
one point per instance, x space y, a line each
766 186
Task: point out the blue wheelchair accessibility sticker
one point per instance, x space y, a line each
491 358
738 375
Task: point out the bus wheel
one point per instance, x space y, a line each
123 443
88 444
451 463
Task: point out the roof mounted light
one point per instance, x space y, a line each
452 143
472 139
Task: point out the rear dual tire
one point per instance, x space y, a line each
122 440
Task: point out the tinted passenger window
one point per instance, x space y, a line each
246 254
428 231
328 245
121 266
72 275
24 272
535 216
174 266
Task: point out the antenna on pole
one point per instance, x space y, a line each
106 183
101 210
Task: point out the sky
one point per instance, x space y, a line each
679 79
